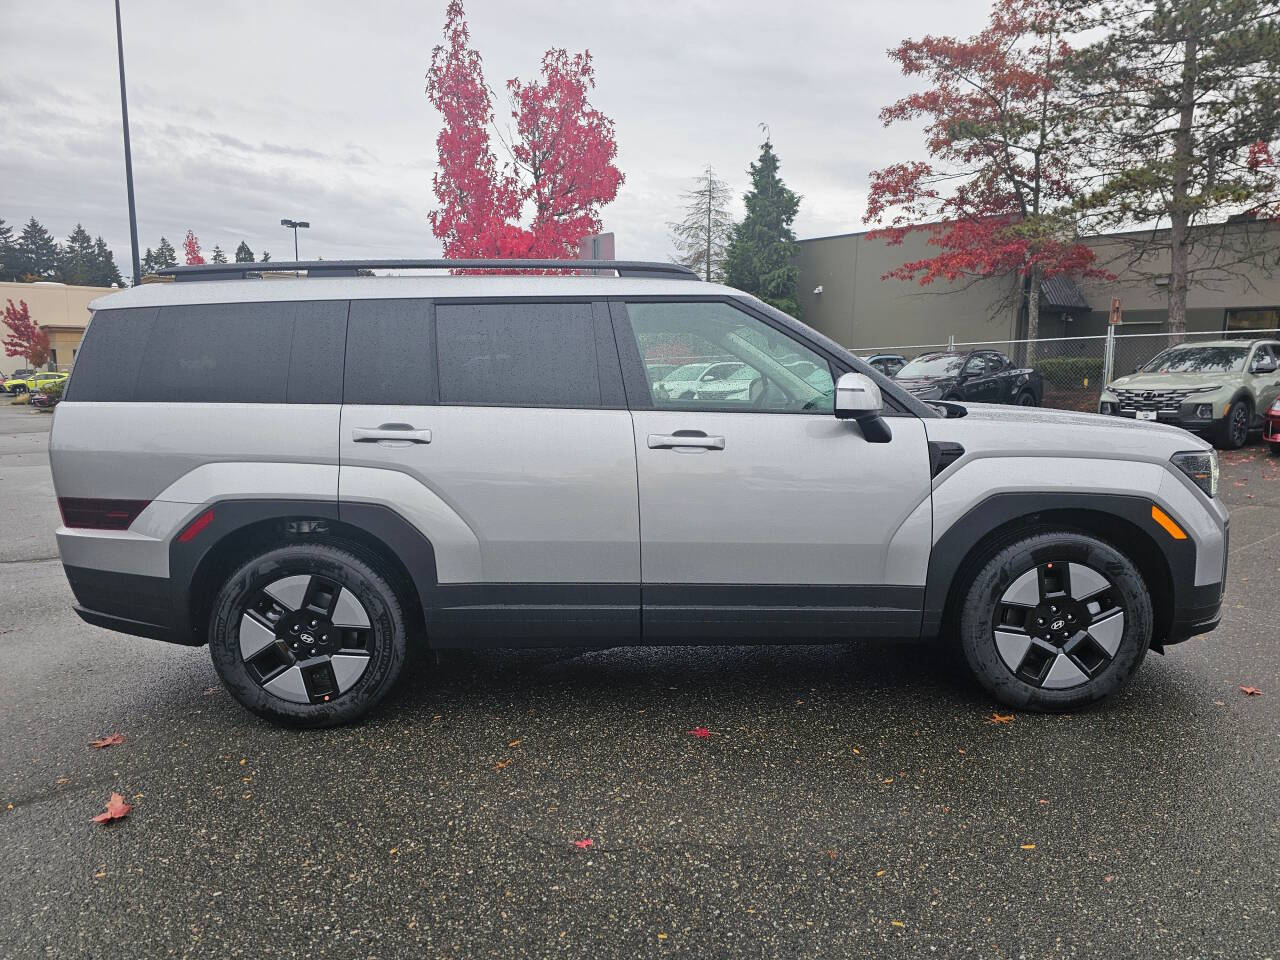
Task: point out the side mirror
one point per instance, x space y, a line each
858 398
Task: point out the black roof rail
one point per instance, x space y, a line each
351 268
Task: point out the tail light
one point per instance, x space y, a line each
92 513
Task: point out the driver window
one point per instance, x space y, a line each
1262 357
711 356
974 367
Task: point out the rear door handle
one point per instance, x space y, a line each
672 441
396 434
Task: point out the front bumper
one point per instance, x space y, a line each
1271 429
1187 420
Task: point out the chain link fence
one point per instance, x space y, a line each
1074 369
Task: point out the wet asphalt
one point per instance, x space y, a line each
849 800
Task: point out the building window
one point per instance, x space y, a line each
53 359
1253 318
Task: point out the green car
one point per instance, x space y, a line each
26 381
1220 389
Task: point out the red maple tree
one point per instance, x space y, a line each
191 247
25 338
562 156
995 192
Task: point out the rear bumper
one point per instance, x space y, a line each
129 603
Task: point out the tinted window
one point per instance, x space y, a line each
389 353
519 355
1199 359
107 365
729 360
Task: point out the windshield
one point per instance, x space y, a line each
1192 359
933 365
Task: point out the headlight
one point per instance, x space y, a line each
1201 466
1275 408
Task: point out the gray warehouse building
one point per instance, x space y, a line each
843 293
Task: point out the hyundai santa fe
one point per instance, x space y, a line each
314 475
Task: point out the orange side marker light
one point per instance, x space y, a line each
1167 522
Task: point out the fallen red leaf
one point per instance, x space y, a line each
1251 691
583 844
700 732
116 808
111 741
1000 718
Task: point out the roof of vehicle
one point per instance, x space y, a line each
437 286
1236 342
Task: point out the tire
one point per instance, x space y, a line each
275 603
1033 638
1232 431
1274 449
1026 399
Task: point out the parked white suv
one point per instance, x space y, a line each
311 474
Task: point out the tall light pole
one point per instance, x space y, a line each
128 153
294 224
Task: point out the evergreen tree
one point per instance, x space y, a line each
7 252
702 238
165 255
1180 118
76 260
762 251
243 253
148 264
108 272
217 256
37 253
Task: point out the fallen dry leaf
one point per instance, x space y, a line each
897 923
1251 691
700 732
662 936
1028 846
108 741
1000 718
515 743
116 808
880 873
502 765
583 844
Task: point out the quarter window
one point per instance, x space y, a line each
726 359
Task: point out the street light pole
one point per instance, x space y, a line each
295 224
128 153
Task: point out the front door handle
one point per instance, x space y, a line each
395 434
674 441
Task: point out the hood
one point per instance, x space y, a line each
1172 381
1037 430
917 384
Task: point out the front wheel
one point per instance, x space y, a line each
308 635
1055 621
1232 431
1027 399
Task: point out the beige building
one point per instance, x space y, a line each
843 293
60 310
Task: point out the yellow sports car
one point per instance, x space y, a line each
25 381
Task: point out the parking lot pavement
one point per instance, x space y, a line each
850 800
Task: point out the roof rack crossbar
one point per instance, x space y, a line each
350 268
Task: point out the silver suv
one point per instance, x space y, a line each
312 474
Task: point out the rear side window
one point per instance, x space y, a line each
518 355
286 352
389 353
106 367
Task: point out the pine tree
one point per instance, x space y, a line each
165 255
76 261
7 252
1180 118
37 252
217 256
702 238
762 251
243 253
148 264
108 273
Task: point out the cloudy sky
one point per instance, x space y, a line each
245 112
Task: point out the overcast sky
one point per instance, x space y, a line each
244 112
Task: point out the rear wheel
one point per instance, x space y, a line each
1232 431
308 635
1027 399
1055 621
